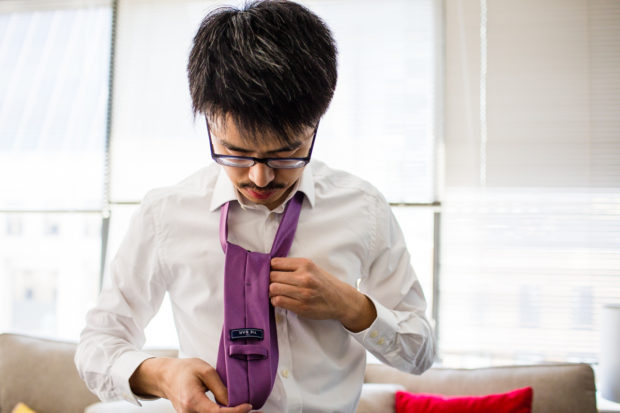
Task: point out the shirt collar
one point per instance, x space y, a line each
224 191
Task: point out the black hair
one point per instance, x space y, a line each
271 66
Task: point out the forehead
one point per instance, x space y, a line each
229 133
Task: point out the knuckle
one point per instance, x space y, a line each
309 281
305 279
207 369
306 264
306 295
186 404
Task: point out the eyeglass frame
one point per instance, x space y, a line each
216 156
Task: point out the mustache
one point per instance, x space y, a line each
269 187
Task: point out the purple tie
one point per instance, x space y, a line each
247 361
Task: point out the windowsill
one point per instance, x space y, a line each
603 405
606 406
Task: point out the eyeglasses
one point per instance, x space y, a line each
248 161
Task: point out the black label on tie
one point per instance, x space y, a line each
246 333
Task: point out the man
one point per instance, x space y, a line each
262 76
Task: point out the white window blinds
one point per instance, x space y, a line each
380 124
531 234
54 59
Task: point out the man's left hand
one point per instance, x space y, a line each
299 285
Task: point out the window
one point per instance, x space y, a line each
48 282
380 125
54 58
530 237
383 108
530 212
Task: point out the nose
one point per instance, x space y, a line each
261 175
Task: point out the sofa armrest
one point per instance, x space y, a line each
40 373
558 388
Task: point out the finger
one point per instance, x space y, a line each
206 405
201 404
288 290
196 402
212 381
284 277
286 303
287 263
242 408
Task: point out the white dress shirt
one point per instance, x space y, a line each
346 227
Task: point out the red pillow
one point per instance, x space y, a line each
516 401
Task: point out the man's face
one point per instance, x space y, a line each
259 183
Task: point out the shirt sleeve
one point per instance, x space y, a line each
109 349
401 335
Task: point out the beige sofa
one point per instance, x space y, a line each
41 374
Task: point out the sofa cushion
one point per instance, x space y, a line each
378 397
516 401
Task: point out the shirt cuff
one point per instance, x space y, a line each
121 372
382 332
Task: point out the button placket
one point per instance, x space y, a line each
294 401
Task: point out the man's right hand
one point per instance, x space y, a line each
183 382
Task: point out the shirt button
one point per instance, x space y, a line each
380 341
278 318
373 334
284 373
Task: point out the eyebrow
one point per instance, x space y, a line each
289 148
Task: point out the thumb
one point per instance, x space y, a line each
212 381
242 408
